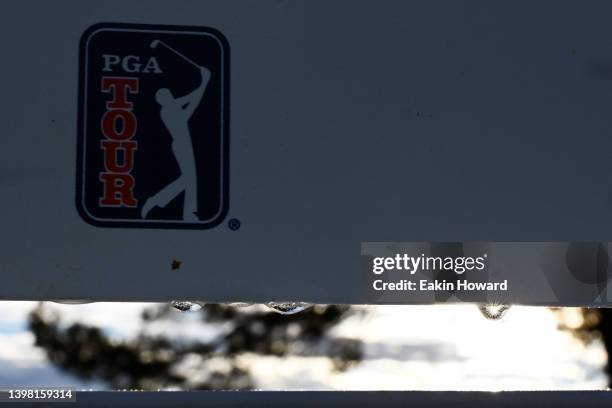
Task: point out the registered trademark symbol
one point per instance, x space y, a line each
234 224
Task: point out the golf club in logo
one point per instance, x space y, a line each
153 127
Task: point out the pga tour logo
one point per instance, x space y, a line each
153 126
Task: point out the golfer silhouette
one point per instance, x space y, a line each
175 114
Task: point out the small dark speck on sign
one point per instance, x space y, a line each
176 264
573 51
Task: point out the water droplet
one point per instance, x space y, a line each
493 311
288 308
184 306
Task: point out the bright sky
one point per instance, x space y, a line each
450 347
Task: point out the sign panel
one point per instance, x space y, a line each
364 135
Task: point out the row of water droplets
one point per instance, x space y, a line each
490 311
284 308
